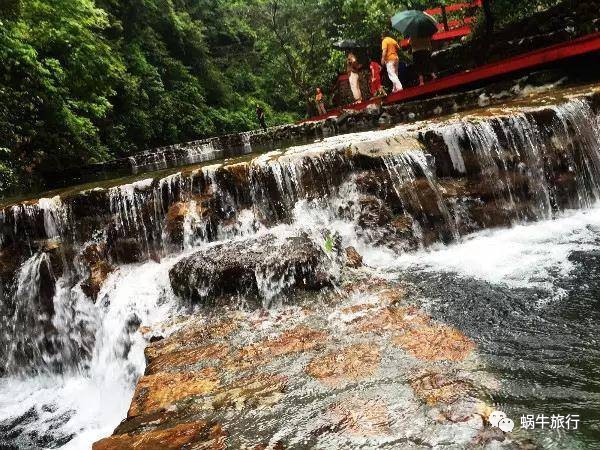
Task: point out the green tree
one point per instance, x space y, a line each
56 82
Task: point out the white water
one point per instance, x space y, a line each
531 255
95 400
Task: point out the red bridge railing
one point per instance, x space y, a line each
583 45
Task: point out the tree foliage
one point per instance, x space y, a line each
83 81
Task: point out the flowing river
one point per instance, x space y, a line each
520 280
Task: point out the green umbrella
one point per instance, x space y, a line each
414 24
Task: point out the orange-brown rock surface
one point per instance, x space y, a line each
361 417
258 373
436 387
296 340
99 272
255 391
435 342
353 363
195 435
179 359
163 389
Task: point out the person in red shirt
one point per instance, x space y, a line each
376 87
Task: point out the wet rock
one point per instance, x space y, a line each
186 358
297 340
392 318
262 266
434 342
126 250
175 221
10 260
486 436
356 362
161 390
99 272
191 336
197 435
436 387
257 391
360 417
353 258
56 255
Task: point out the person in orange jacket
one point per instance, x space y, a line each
390 59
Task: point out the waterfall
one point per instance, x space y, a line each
27 329
473 173
403 171
523 155
246 143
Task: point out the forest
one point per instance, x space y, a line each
84 81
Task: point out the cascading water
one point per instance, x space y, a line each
70 362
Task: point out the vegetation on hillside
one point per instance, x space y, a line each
83 81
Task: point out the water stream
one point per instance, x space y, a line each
526 294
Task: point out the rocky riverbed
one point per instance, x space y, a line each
272 302
358 366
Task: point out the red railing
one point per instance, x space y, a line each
580 46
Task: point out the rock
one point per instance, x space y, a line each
361 417
175 221
436 387
353 258
486 437
297 340
414 331
435 342
392 319
191 336
94 253
198 435
56 255
356 362
10 260
99 272
186 358
159 391
126 250
253 392
263 265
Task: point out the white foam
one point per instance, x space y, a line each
532 255
97 399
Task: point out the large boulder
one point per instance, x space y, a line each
265 265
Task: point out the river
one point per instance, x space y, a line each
519 279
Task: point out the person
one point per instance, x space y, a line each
421 54
260 114
376 87
389 59
320 104
353 67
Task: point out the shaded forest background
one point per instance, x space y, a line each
83 81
